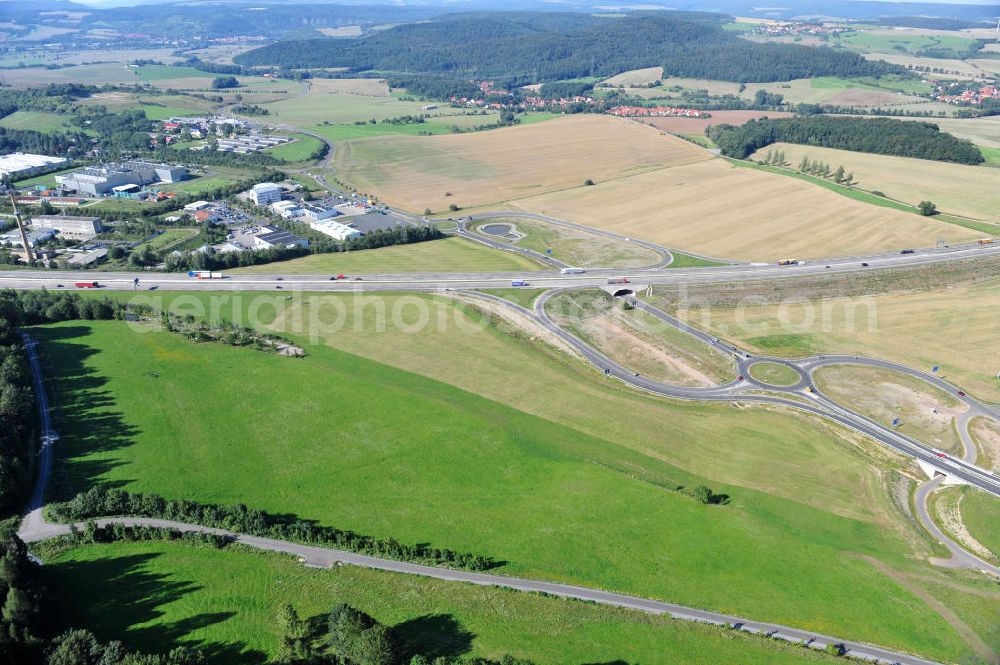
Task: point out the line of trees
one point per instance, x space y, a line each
16 400
104 502
883 136
319 244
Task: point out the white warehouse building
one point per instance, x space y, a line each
336 230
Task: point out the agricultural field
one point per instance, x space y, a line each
697 126
299 150
832 90
763 216
926 413
363 87
31 77
895 41
39 121
153 593
441 124
951 68
983 132
955 188
316 107
575 247
447 255
636 77
952 327
814 539
639 341
489 167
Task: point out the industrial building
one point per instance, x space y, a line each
265 193
100 180
23 164
278 238
77 228
35 238
287 209
316 212
335 230
196 206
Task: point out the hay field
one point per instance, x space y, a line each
831 90
636 77
698 125
342 31
970 191
490 167
981 131
714 208
370 87
954 327
950 66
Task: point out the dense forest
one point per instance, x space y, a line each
882 136
519 48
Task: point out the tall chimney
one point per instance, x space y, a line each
28 254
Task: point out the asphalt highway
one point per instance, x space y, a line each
34 528
52 279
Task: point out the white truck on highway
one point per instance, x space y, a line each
571 271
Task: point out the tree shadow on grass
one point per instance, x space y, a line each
84 413
115 596
433 635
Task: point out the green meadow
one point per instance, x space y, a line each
152 594
362 445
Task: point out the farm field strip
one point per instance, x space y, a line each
955 188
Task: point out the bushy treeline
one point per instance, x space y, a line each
882 136
434 86
320 244
104 502
350 636
16 400
565 89
22 602
526 47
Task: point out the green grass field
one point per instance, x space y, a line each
774 374
198 185
46 180
682 260
364 446
169 237
895 42
441 124
166 72
155 112
39 121
981 515
992 156
152 594
298 150
446 255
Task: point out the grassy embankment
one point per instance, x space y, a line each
736 557
149 594
445 255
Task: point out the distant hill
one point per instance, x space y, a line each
527 47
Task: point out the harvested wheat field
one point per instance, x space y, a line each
956 188
698 125
370 87
418 172
636 77
718 209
